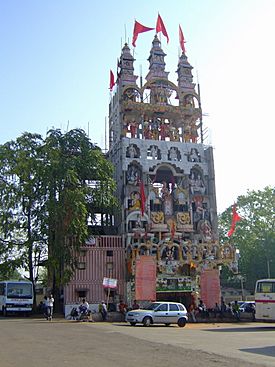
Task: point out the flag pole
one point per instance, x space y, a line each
108 297
105 135
199 94
125 33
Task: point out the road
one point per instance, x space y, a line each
37 342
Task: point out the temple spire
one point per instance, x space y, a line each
126 64
156 62
185 77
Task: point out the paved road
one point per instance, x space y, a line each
35 342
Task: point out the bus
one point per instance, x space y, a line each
265 300
16 296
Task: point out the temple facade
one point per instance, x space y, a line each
165 183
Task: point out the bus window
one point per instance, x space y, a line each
266 287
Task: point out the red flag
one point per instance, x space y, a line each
142 197
160 27
182 41
235 218
139 28
112 81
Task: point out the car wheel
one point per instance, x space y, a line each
146 321
132 323
167 324
181 322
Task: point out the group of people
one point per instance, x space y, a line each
223 310
47 307
83 312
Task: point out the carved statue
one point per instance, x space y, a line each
167 199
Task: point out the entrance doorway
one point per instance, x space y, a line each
181 297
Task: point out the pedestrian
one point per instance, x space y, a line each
223 309
202 309
135 305
192 312
50 302
216 310
122 308
44 307
102 308
236 310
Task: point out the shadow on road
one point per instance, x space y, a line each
243 329
266 351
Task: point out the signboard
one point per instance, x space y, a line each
210 287
145 287
109 283
169 284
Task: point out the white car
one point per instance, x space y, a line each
159 313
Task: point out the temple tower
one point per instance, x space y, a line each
165 179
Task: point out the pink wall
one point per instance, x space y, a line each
98 266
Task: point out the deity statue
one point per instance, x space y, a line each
132 151
133 129
196 184
173 154
163 131
146 131
194 132
166 199
135 201
154 152
132 175
194 156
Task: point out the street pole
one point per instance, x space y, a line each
268 270
242 288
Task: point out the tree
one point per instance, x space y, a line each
49 189
78 181
254 235
22 198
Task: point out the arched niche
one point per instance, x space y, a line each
160 92
133 173
133 151
131 93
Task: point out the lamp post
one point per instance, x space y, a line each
268 268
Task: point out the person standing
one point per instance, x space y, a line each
135 305
50 303
102 308
122 308
104 311
236 310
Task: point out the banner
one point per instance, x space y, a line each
169 284
145 278
210 287
109 283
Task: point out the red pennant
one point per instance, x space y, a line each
182 41
139 28
235 218
142 197
112 81
160 27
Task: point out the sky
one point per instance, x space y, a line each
56 56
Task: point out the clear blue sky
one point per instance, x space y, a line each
56 56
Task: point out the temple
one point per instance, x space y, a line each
165 184
163 242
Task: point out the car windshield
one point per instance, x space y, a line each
151 306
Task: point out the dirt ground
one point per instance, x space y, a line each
35 342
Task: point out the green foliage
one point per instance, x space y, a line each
22 200
49 189
254 235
